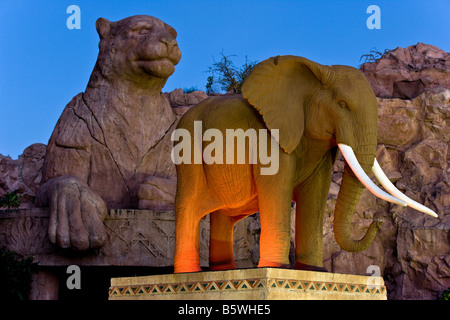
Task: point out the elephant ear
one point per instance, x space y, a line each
277 88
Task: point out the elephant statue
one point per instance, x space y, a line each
311 111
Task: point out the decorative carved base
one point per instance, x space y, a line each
249 284
135 238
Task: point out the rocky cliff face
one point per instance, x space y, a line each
412 250
406 72
23 175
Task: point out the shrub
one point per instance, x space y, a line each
15 274
445 295
190 89
373 55
227 76
10 200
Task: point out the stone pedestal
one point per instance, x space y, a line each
249 284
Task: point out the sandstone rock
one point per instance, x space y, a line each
403 122
157 193
406 72
397 120
178 98
411 249
24 174
117 133
179 111
388 160
423 255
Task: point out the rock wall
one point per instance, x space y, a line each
406 72
412 250
23 175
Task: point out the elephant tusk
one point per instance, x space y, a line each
387 184
352 161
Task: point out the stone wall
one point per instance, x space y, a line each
135 238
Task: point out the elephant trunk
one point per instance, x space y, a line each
354 178
349 195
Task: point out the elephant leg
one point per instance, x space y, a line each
274 196
186 257
222 223
311 197
221 241
188 211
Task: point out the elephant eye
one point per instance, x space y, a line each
343 104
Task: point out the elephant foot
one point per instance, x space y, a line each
270 264
186 269
220 267
307 267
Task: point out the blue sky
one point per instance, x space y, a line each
43 64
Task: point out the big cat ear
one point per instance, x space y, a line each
103 27
277 88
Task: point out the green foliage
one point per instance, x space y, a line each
373 55
445 295
15 274
190 89
227 76
209 85
10 200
